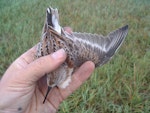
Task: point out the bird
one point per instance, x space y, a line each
79 47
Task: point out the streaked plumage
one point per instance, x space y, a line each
80 47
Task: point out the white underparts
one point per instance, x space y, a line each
65 83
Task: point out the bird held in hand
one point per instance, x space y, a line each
80 47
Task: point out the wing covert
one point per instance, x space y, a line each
97 48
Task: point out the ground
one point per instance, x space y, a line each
123 84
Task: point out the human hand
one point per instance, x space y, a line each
23 86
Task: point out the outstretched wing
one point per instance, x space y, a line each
97 48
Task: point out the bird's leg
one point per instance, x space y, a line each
48 90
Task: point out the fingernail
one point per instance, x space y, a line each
58 54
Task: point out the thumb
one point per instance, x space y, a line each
43 65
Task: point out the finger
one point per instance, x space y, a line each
24 59
78 78
43 65
29 55
56 96
68 29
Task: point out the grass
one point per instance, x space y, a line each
122 85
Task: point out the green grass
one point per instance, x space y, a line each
122 85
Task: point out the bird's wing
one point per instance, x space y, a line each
97 48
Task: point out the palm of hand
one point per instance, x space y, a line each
26 86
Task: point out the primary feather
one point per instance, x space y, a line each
97 48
